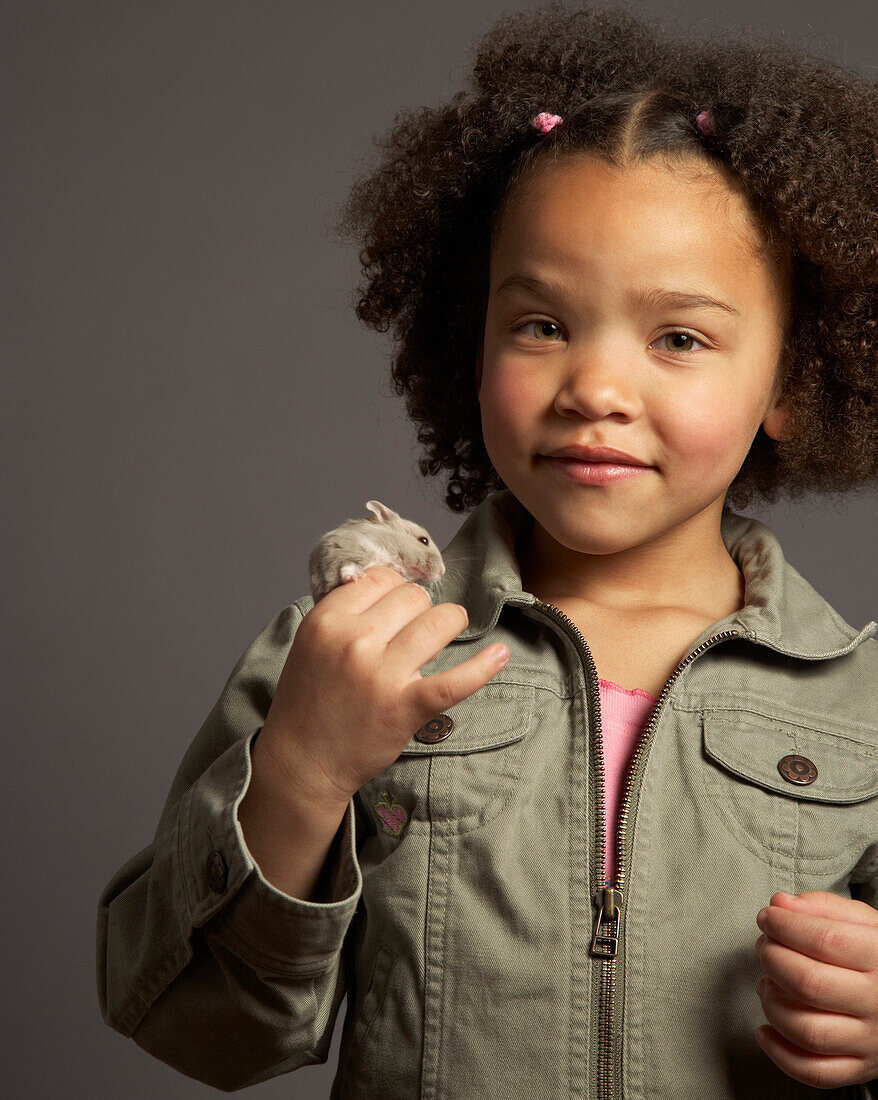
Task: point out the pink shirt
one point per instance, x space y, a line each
624 714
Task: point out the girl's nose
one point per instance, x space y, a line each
596 385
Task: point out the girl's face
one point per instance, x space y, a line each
580 347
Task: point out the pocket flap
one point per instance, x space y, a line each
752 746
497 714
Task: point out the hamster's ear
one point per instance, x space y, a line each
382 514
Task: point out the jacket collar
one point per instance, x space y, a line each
782 610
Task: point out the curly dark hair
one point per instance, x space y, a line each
795 134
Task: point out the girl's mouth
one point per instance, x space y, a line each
595 473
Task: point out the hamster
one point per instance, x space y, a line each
385 538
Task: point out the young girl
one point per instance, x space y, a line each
633 280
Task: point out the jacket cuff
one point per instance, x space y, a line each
221 877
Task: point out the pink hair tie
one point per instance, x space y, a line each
704 122
545 122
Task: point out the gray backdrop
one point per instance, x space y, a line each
189 403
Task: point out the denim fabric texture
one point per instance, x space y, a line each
462 932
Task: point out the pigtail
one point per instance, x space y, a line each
716 122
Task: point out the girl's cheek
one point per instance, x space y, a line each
705 433
509 410
508 400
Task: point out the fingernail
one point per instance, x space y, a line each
500 654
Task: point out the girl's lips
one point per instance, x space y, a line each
595 473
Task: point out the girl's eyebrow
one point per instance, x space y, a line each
651 297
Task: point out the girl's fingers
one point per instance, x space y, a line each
811 1029
433 694
821 1071
836 934
823 903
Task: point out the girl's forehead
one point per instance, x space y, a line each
585 218
589 194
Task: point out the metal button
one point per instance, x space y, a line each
217 871
437 729
797 769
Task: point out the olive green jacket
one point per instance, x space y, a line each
468 923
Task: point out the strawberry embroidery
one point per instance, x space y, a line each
391 813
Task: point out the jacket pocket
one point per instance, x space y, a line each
460 782
384 962
366 1022
799 797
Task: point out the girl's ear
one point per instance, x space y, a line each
773 423
774 420
775 415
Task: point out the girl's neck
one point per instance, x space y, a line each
684 571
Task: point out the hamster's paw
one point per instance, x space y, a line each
350 572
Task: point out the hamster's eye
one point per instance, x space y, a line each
424 540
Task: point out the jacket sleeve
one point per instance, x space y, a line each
200 960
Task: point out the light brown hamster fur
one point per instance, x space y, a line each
385 538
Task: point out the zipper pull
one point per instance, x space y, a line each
605 943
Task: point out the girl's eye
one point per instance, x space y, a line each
541 326
677 333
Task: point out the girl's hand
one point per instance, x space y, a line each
820 989
351 695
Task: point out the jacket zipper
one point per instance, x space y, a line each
608 898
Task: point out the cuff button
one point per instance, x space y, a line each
217 871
